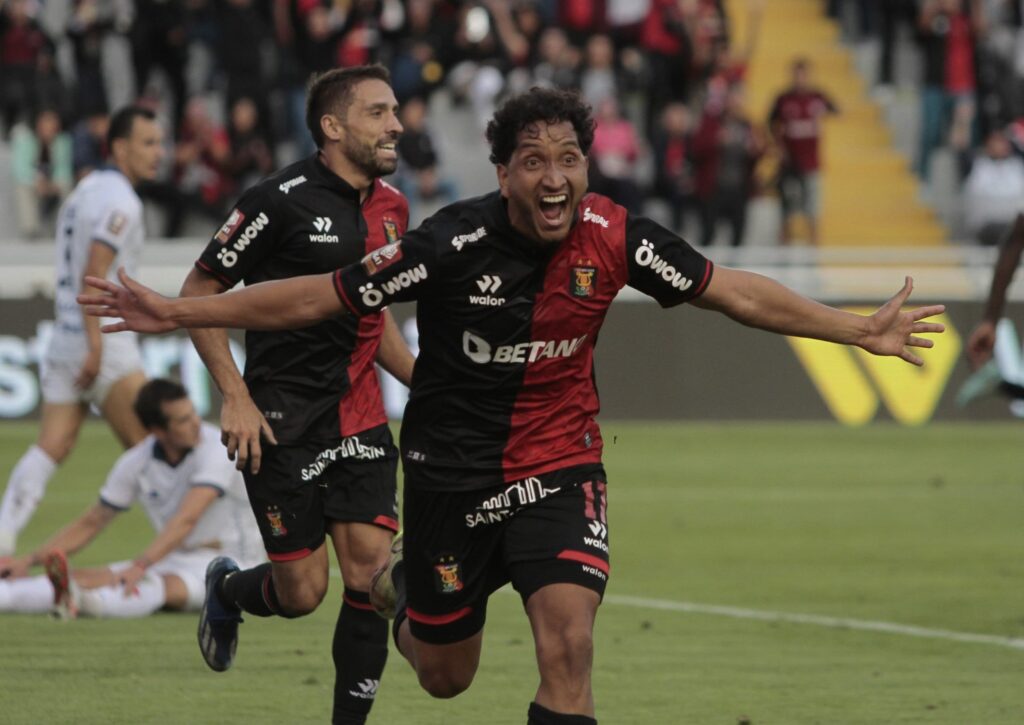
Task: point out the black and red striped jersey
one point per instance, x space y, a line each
503 387
318 383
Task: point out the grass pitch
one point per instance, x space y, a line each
909 527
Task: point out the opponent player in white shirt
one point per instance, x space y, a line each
181 476
99 228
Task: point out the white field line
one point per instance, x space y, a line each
861 625
814 619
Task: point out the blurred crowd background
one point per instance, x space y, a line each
677 136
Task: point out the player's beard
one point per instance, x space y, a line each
365 157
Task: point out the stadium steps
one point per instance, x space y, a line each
870 196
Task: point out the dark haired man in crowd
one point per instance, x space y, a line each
501 450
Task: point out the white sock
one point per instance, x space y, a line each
112 602
25 489
31 595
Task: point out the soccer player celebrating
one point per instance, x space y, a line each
502 454
328 464
99 228
190 492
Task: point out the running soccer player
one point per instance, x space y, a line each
501 451
983 338
193 497
99 228
328 464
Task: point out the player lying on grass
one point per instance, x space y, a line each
501 451
192 494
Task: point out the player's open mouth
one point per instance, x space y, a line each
554 208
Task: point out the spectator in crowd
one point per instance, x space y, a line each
614 155
795 122
420 177
89 143
158 39
241 47
726 148
251 158
201 179
558 60
666 40
42 169
993 190
673 173
947 31
422 51
598 78
88 25
22 41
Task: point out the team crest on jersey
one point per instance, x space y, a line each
447 575
116 223
274 517
382 258
391 231
582 280
227 231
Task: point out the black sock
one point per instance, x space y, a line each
540 715
360 650
252 591
398 581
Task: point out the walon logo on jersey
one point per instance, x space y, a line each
480 351
323 225
488 284
853 382
229 256
367 689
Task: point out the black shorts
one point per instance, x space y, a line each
460 546
301 488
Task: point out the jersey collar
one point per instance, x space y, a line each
323 174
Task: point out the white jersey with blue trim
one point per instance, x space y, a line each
142 474
103 208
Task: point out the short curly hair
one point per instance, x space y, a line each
538 104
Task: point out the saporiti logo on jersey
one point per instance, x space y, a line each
489 284
372 297
646 257
291 183
463 239
589 216
229 256
480 351
323 225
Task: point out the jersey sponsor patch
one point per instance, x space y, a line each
116 223
290 184
382 258
234 221
582 281
390 230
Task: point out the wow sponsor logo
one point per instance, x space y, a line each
645 256
373 297
228 256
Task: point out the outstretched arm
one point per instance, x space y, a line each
758 301
983 338
282 304
72 538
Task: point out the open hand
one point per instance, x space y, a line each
892 331
140 308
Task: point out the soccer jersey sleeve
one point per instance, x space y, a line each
114 224
121 488
246 237
399 272
213 467
661 264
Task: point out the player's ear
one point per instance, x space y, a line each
502 172
331 127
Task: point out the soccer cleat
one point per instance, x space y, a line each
383 595
218 622
65 591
